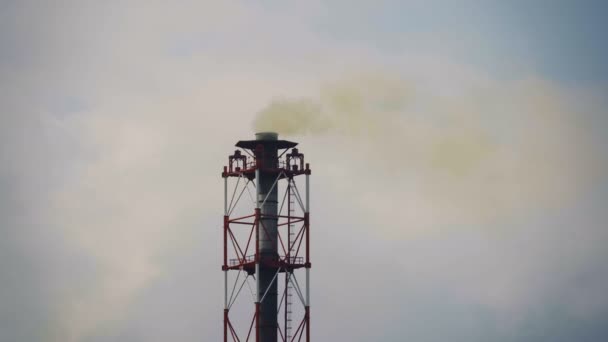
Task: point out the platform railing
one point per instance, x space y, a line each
292 260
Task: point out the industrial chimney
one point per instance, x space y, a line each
276 233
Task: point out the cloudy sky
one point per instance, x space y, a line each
458 150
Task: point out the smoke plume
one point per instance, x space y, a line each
487 152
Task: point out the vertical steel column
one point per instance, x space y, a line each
307 218
225 256
257 252
225 242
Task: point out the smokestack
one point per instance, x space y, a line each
276 252
267 157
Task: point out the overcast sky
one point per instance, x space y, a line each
458 150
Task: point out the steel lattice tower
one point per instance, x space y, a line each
269 238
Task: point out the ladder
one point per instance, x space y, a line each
289 288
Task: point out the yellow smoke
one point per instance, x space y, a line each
346 106
293 117
476 156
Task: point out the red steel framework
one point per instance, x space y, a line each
241 241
